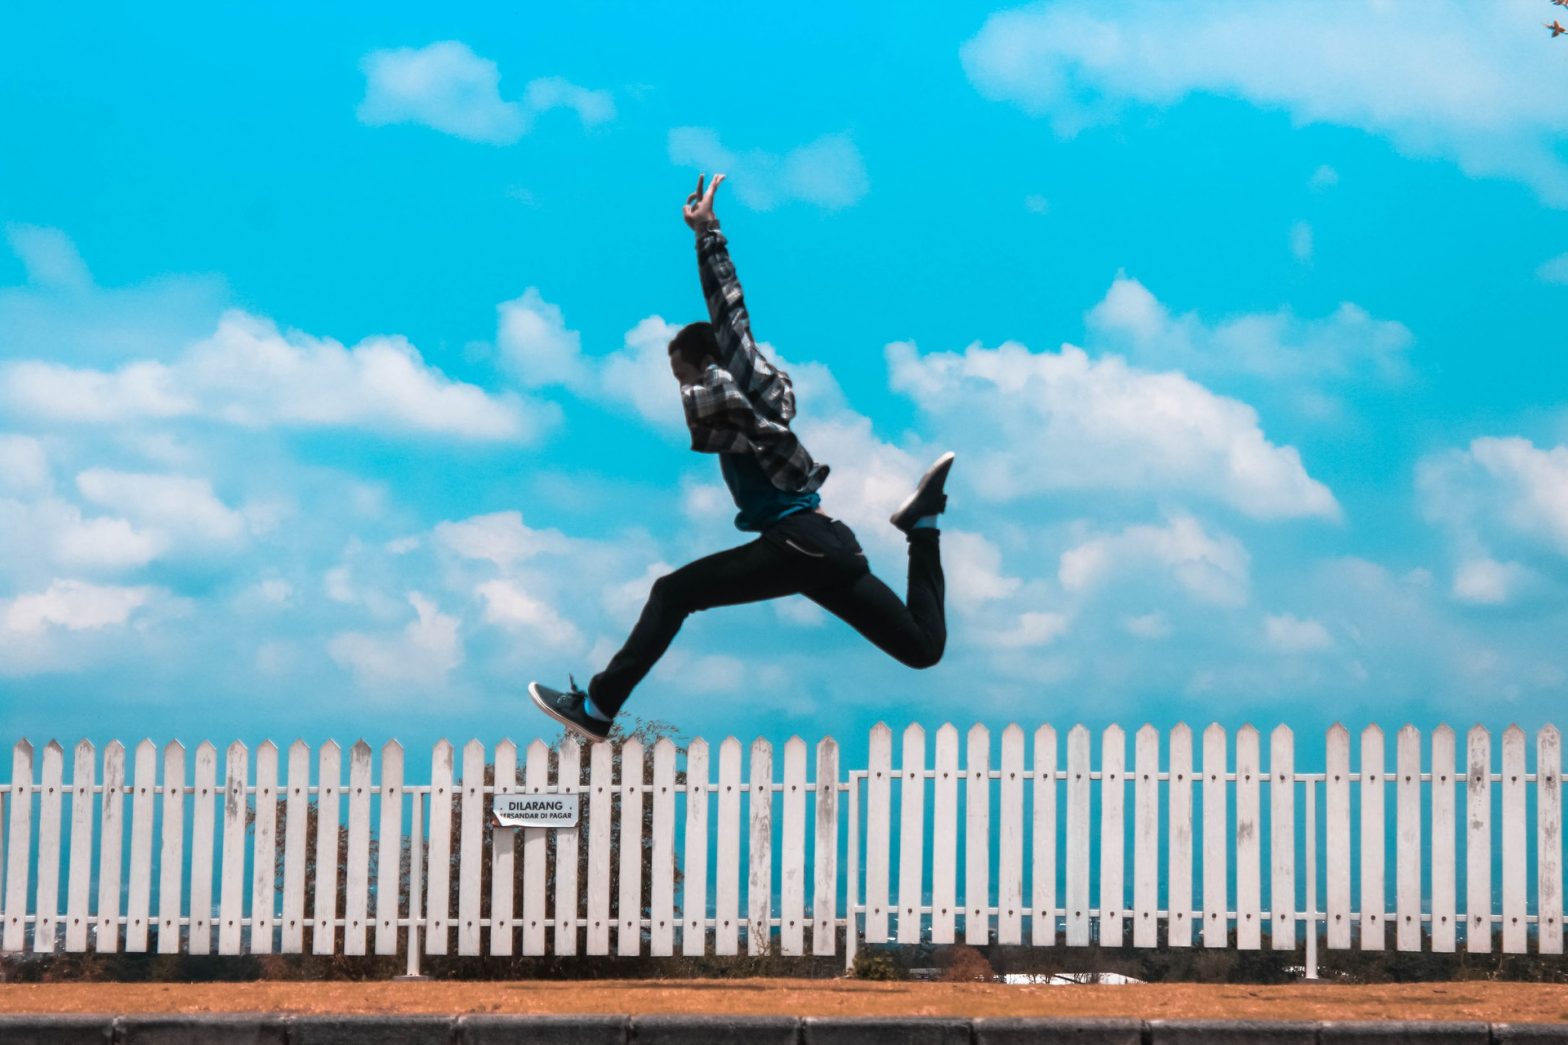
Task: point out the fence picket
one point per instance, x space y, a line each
824 885
726 871
20 849
1010 840
78 895
1146 837
389 853
792 887
264 855
111 842
1407 849
1516 858
911 834
694 892
536 853
1336 836
1444 784
759 866
138 901
977 837
1478 841
171 858
944 836
1549 840
438 863
46 903
1215 856
600 803
356 901
661 929
203 796
1113 801
1282 840
236 810
628 907
879 845
1078 782
503 857
1042 890
568 779
1374 887
1249 854
470 850
324 895
296 822
1178 886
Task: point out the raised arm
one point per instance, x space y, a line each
721 289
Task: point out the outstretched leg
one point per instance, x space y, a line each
751 573
913 631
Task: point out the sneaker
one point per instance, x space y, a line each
569 710
928 498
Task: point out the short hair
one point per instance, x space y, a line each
695 343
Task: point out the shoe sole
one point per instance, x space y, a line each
920 487
539 702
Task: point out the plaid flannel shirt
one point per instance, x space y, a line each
743 404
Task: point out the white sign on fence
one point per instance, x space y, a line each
535 810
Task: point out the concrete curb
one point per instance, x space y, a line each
253 1029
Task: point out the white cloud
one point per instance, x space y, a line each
1288 633
1325 177
49 256
1031 629
250 374
445 86
449 88
827 172
1487 582
973 568
508 606
1211 569
500 538
639 375
1455 80
181 506
1301 242
1346 344
1554 271
1148 626
535 344
552 92
73 605
1032 423
422 654
1499 489
24 466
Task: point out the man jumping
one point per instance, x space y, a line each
739 405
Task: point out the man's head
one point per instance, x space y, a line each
691 351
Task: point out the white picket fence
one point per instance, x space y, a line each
1041 842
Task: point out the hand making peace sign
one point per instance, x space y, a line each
698 210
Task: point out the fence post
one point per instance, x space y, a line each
851 918
416 871
1312 878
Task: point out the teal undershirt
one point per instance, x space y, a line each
761 503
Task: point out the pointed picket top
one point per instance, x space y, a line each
948 732
1548 732
978 750
85 747
1113 737
631 759
1372 732
760 748
567 740
299 748
914 733
882 729
1406 732
1146 733
22 749
1213 732
391 749
795 747
1079 734
1513 733
1282 733
146 744
53 748
361 749
1012 732
267 745
1045 740
113 747
207 749
729 746
538 749
1248 730
664 747
506 746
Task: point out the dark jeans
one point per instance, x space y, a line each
804 554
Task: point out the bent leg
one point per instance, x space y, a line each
913 632
750 573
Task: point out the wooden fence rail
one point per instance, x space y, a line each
1044 845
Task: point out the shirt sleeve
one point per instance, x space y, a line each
727 310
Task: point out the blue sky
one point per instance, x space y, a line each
333 400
